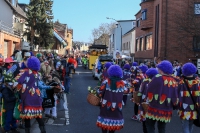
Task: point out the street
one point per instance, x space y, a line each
83 116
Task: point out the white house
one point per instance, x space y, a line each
123 26
10 33
128 43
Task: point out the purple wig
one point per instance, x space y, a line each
165 66
127 66
135 64
107 65
189 69
33 63
151 72
115 71
143 68
112 63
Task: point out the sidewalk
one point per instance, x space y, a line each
62 119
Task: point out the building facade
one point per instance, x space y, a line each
65 33
168 29
10 34
122 27
128 43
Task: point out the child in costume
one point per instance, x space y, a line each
150 73
136 84
134 70
9 100
186 108
162 95
110 118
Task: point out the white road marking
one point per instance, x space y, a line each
66 111
83 72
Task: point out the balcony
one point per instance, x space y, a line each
147 12
9 29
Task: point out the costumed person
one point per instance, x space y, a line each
136 85
27 85
8 101
26 56
150 73
189 97
134 70
105 71
39 56
55 83
126 76
162 95
45 70
68 75
11 66
110 118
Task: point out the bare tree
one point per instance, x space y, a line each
101 34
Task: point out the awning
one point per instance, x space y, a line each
63 42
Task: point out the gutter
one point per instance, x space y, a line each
166 26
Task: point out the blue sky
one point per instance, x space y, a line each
84 15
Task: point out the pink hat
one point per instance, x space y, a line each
9 60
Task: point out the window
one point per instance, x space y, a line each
141 44
196 43
148 42
137 44
144 14
197 8
138 23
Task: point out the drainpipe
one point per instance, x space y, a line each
166 26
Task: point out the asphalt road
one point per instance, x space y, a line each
83 116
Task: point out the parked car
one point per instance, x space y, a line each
98 66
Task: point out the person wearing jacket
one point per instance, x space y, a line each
186 108
162 96
9 101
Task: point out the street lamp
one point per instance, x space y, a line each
117 26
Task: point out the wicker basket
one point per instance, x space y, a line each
92 99
145 106
135 97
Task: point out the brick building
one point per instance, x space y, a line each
169 29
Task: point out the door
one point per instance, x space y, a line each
5 49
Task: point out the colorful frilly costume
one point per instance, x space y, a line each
27 84
143 91
186 108
162 95
111 117
111 91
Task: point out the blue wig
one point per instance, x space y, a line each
33 63
189 69
127 66
135 64
165 66
143 68
107 65
151 72
115 71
